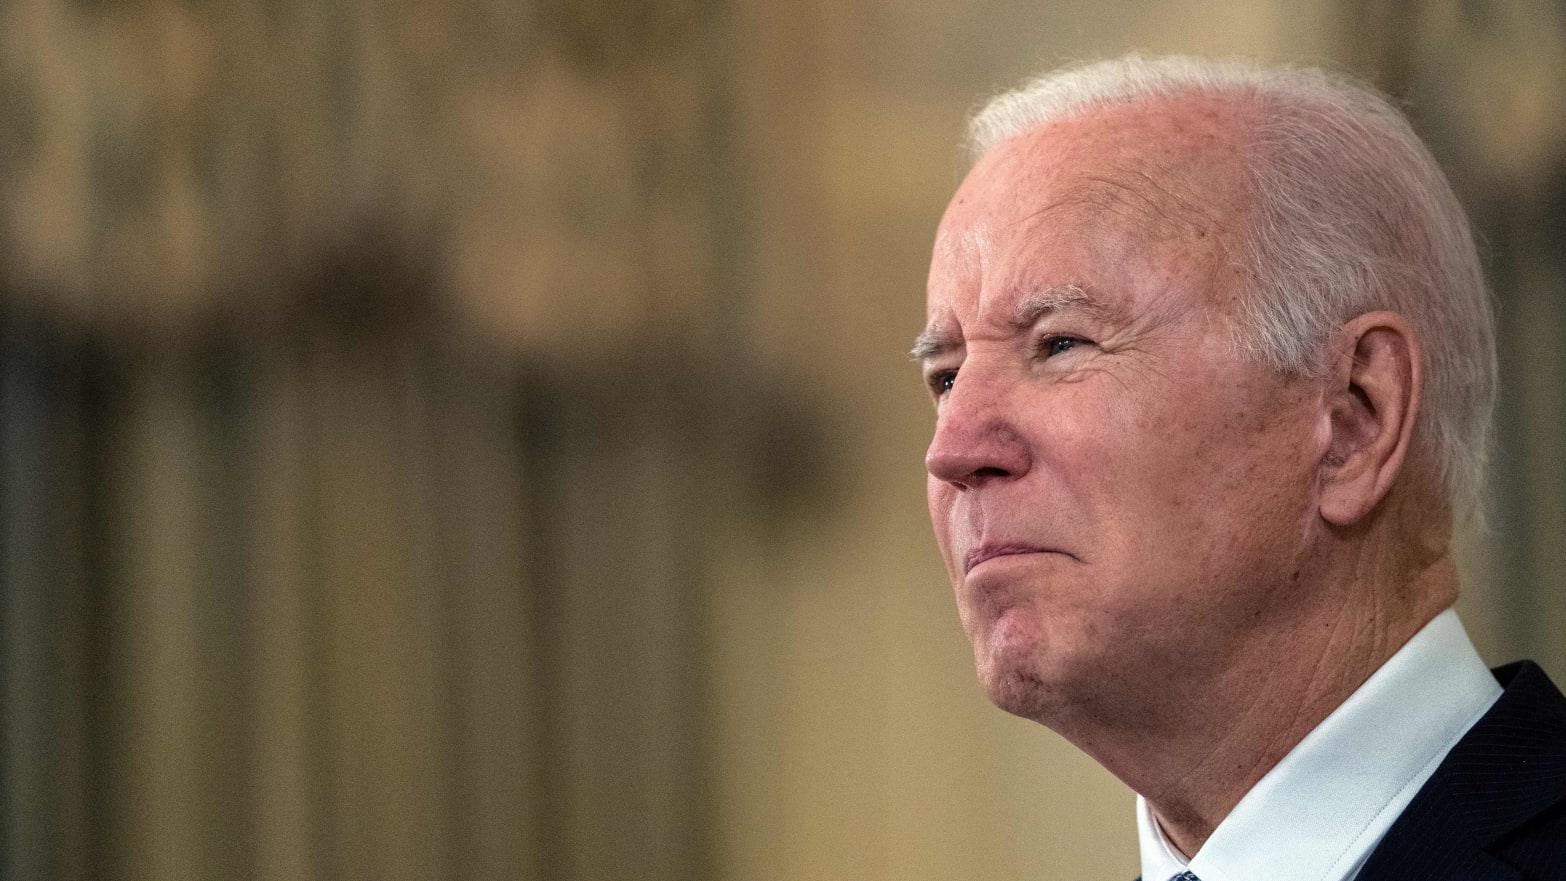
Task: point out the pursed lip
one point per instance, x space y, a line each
991 551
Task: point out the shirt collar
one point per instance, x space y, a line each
1320 811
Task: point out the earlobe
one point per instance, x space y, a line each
1372 403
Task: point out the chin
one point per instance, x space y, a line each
1020 693
1016 680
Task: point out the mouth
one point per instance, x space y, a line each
989 552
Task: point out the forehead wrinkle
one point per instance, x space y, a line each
970 248
1179 200
1154 203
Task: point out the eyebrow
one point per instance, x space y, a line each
939 340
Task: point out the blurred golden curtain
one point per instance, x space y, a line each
384 387
360 470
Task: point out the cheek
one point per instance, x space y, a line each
939 499
1217 496
1163 476
940 496
1085 442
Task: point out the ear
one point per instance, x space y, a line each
1372 400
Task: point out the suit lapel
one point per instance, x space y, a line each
1510 766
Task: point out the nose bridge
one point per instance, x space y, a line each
977 394
975 437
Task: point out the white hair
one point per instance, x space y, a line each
1350 214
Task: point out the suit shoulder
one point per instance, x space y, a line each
1537 849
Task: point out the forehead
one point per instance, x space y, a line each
1157 186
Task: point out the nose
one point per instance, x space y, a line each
976 438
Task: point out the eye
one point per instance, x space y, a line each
941 382
1057 345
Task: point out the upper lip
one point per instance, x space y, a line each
1004 549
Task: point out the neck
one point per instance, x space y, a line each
1195 751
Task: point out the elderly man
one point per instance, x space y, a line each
1213 366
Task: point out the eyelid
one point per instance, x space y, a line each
936 377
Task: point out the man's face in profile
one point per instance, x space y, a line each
1116 487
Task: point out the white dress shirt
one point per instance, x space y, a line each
1318 814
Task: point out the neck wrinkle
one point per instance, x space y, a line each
1268 709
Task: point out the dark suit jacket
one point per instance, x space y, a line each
1495 810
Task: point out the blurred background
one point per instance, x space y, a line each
473 438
